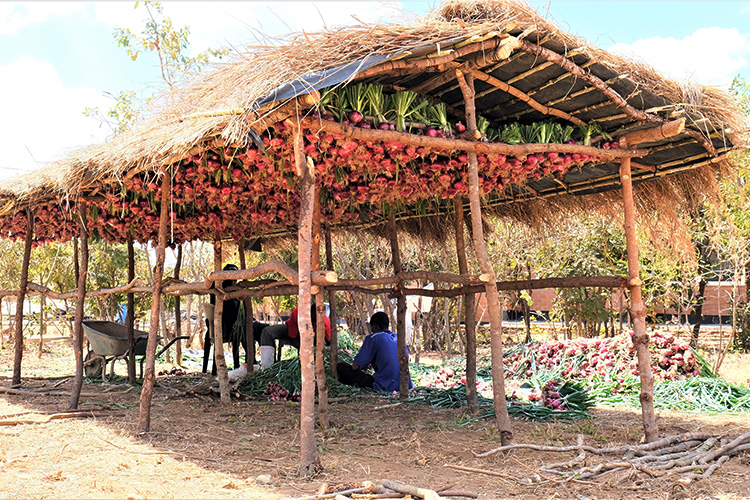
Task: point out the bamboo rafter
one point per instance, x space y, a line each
481 64
532 92
545 110
597 82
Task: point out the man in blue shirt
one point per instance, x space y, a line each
379 351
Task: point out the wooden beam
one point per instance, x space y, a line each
334 352
663 131
440 143
492 50
545 110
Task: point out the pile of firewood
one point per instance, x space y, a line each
691 456
388 489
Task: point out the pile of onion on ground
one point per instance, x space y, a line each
548 380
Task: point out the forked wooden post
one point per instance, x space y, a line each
332 305
149 372
221 362
403 360
130 315
83 269
493 298
472 401
320 326
637 310
306 174
20 298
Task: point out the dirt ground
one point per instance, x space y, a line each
199 448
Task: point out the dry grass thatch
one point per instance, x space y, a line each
219 107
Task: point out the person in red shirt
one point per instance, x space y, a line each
289 332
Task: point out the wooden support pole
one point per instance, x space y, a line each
248 303
83 269
470 322
334 315
637 310
149 373
403 359
306 174
178 310
493 298
20 298
219 359
130 315
320 326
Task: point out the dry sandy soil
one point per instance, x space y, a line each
199 448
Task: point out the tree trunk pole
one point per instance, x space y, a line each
306 174
76 263
638 311
149 375
403 359
248 303
20 298
221 362
332 304
130 315
470 320
493 298
320 326
83 269
178 311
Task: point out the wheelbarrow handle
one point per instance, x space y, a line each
161 351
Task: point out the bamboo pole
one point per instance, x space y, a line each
248 303
20 298
320 326
149 374
83 269
493 299
306 174
545 110
334 353
637 310
219 359
470 321
403 359
130 316
178 311
608 91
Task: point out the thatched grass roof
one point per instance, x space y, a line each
239 100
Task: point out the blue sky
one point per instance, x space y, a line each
57 58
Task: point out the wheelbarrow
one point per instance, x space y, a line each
108 342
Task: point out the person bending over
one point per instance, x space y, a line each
379 351
288 332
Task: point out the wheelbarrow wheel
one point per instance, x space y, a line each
93 365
